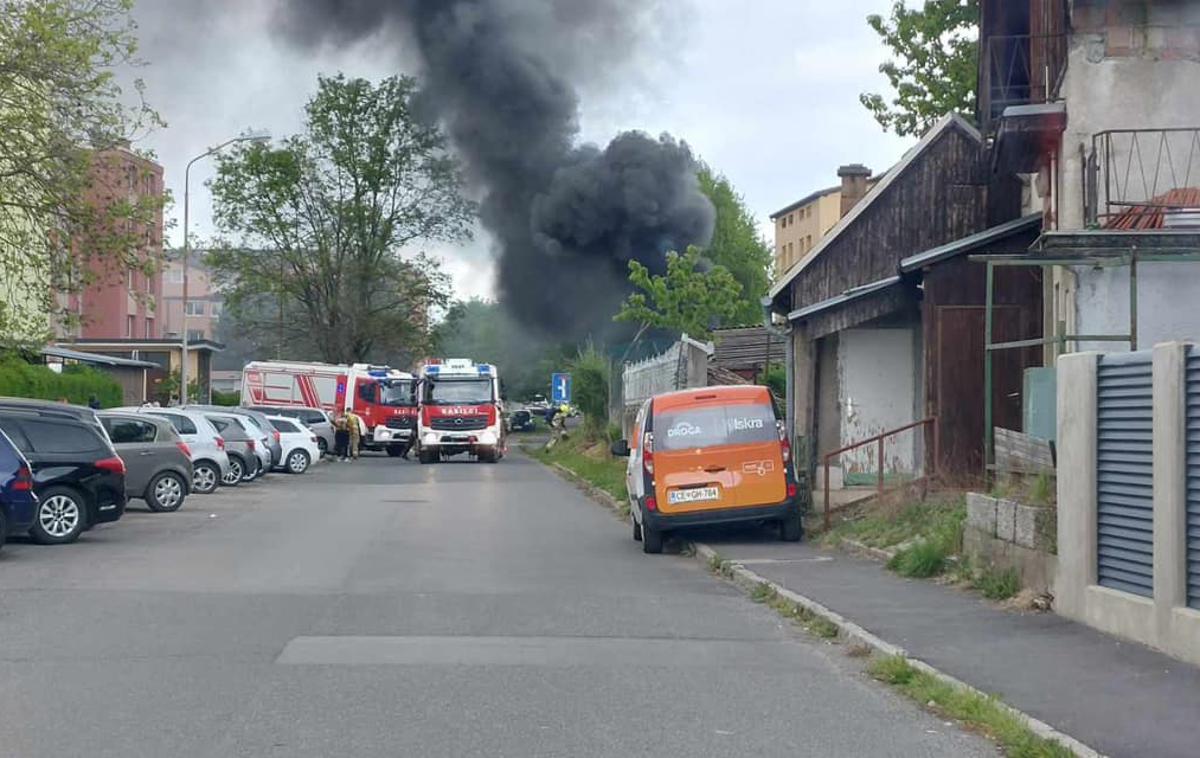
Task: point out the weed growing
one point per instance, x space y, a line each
922 560
984 713
998 585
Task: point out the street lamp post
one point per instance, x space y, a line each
187 252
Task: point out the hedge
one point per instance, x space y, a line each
76 383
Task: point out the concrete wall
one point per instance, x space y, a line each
1164 621
877 391
1102 303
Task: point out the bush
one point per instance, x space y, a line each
230 399
77 383
998 585
924 559
589 374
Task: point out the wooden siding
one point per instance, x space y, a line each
940 197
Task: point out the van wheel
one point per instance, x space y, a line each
790 527
637 529
652 540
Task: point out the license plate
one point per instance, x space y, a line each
694 495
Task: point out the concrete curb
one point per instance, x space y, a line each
879 554
747 580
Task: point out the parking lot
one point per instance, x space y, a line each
383 607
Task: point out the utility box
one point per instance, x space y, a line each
1039 412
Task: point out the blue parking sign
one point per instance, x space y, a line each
560 388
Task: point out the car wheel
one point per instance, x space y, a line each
236 469
790 527
297 462
652 540
637 528
61 517
205 478
166 492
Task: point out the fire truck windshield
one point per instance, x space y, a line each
458 391
396 392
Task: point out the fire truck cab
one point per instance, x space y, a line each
460 411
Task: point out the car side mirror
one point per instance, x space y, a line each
620 448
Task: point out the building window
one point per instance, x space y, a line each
175 275
195 335
149 328
130 323
194 307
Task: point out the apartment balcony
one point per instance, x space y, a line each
1143 179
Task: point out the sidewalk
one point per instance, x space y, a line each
1120 698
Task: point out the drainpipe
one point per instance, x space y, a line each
790 369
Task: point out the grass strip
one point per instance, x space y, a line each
984 713
598 469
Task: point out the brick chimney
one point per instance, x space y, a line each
854 184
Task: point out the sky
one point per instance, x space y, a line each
764 91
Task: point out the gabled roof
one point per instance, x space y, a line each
947 122
970 242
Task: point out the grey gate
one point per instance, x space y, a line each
1125 472
1192 465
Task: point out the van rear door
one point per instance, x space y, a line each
719 455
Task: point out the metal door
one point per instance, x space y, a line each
1192 526
1125 473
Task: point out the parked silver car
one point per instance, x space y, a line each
272 452
210 462
158 463
314 418
244 462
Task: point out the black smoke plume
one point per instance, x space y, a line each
500 75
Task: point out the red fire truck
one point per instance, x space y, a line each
460 411
381 396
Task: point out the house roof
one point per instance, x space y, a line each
952 120
1182 205
806 200
745 346
846 297
95 359
718 376
970 242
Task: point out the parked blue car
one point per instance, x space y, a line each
18 503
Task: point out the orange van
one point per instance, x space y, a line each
714 455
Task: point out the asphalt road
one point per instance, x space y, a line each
384 608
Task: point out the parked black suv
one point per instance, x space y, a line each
77 476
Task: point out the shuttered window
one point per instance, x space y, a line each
1192 553
1125 473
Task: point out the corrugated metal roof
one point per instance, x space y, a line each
1182 204
846 297
970 242
745 347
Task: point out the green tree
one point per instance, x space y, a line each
934 66
590 382
325 220
737 245
61 108
685 299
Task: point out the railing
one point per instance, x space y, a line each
879 440
1018 70
1143 178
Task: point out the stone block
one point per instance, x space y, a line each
1006 520
1034 527
981 513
